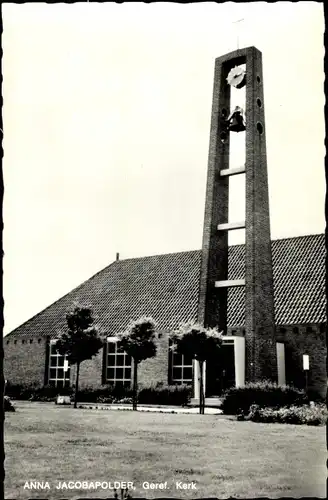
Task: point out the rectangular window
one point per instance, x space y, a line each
118 365
181 369
58 377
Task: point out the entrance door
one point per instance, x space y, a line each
220 371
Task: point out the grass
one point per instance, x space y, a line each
224 457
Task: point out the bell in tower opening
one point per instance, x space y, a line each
236 120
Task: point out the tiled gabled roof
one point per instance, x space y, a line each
299 281
166 288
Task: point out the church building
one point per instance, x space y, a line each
266 296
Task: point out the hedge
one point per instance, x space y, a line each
178 395
32 392
264 394
103 394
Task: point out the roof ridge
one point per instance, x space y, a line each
230 246
298 236
196 250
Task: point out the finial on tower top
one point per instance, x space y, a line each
235 22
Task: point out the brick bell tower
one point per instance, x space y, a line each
238 69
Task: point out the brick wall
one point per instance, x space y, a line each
259 325
212 310
150 371
90 372
305 339
261 359
156 369
25 360
301 339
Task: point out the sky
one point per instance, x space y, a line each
106 121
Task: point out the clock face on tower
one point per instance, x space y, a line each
237 77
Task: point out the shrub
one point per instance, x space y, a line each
309 415
104 394
154 394
49 393
177 395
8 406
105 399
264 394
33 392
126 401
19 391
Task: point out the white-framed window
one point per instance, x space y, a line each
59 369
181 369
118 365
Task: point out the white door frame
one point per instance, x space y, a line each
281 364
239 353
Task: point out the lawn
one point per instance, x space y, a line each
223 457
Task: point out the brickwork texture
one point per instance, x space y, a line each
29 360
261 361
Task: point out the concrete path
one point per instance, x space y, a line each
157 409
126 407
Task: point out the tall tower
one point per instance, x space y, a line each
240 68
